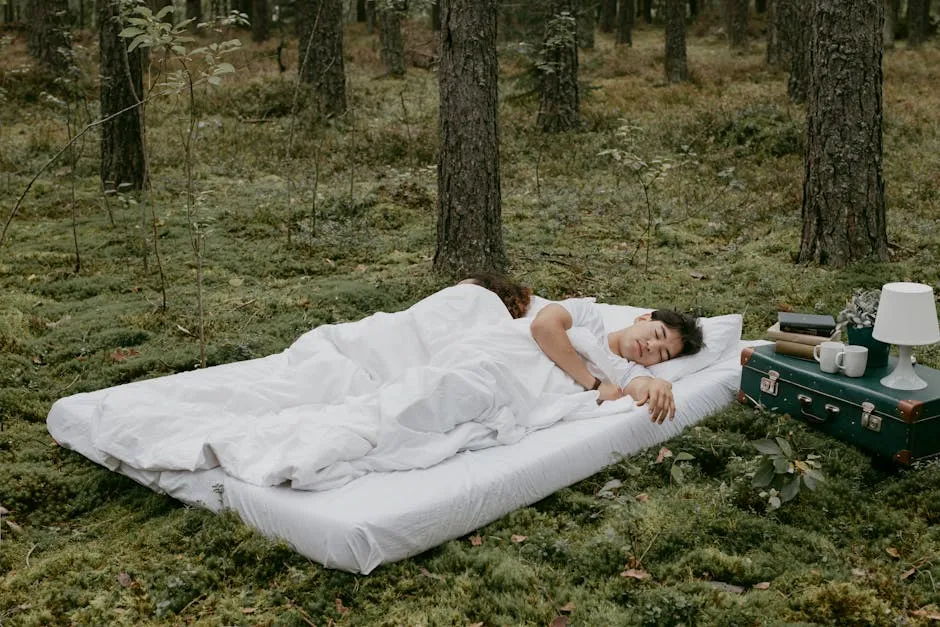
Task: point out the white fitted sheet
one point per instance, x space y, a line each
384 517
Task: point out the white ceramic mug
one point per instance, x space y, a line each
826 354
852 360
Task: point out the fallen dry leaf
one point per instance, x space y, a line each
663 454
560 621
567 607
13 526
248 610
480 624
476 540
925 613
426 573
642 497
893 552
859 572
697 275
3 511
726 587
908 573
517 538
121 354
124 579
330 261
762 585
360 268
635 573
342 609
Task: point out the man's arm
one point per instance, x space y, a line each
657 393
550 331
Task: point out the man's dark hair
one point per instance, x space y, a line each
687 326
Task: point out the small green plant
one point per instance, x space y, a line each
782 473
860 310
675 469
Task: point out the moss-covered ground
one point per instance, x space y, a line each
82 545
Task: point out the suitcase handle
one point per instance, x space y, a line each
806 403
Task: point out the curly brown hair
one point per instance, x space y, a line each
516 297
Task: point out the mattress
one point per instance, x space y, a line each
384 517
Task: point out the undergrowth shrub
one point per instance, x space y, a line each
764 130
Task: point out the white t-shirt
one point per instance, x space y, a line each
585 314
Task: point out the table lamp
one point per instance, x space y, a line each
907 316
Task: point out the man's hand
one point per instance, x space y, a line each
657 393
609 392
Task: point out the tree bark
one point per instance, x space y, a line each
799 23
648 11
891 20
49 39
360 10
918 22
608 15
122 140
843 189
676 66
626 17
587 10
760 6
778 38
436 16
736 23
469 210
370 16
261 23
392 44
560 106
320 26
193 10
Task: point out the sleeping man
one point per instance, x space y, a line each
652 338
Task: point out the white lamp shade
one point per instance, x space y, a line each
907 315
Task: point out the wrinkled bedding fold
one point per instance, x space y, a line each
399 391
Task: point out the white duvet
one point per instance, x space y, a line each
397 391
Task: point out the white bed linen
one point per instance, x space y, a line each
385 517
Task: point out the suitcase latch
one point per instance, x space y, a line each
768 384
872 423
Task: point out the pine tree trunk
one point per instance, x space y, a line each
122 145
320 26
608 15
193 10
843 189
648 11
469 218
760 6
778 56
436 16
587 10
891 19
370 16
626 17
388 19
560 106
799 24
261 24
918 22
360 10
49 39
676 67
736 23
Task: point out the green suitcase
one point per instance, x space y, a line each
901 424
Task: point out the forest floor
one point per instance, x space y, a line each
707 221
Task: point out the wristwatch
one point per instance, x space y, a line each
597 383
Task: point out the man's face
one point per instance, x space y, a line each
648 342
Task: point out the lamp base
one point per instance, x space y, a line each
903 376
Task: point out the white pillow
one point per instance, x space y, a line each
721 334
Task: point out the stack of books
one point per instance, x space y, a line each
796 334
